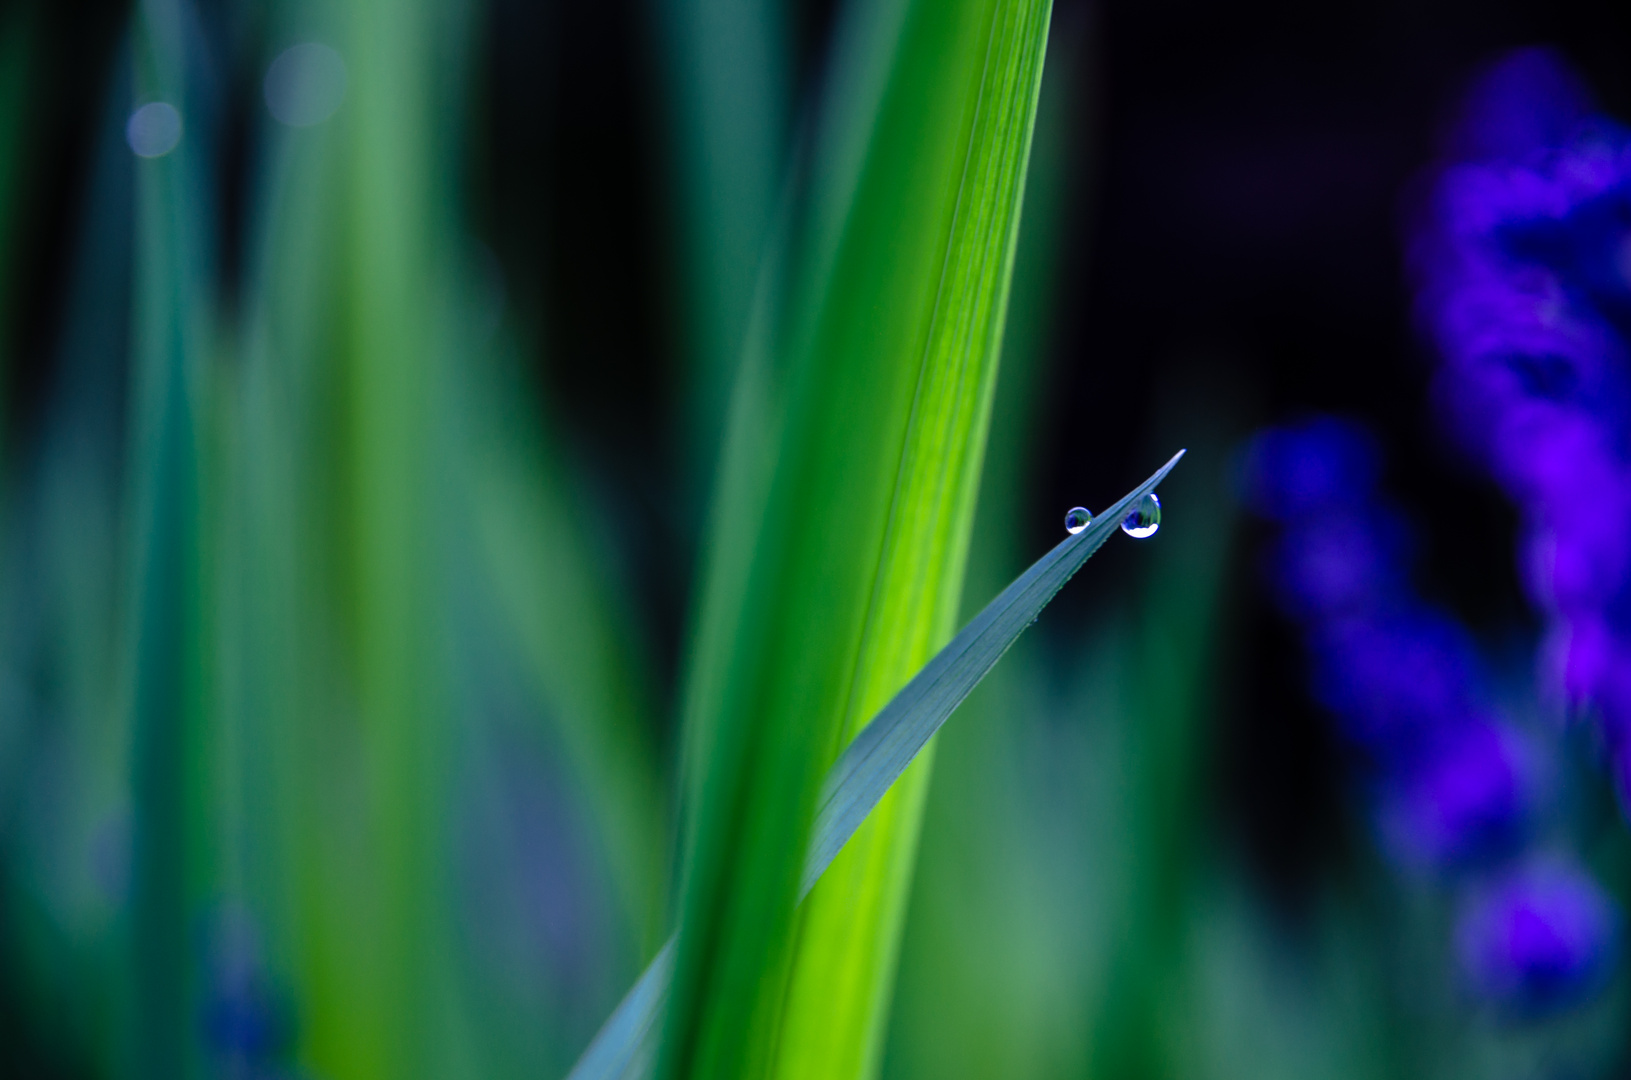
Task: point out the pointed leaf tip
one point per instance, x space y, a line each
874 760
877 756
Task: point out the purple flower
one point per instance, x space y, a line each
1523 270
1585 246
1396 680
1462 802
1346 560
1400 678
1529 101
1539 939
1454 789
1304 468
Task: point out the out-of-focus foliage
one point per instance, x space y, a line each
350 760
469 467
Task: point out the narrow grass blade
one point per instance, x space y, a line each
958 120
729 67
850 541
883 749
383 959
624 1044
875 760
981 977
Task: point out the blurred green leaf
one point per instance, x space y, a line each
729 62
167 650
68 587
334 436
412 597
556 600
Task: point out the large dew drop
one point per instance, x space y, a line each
1077 520
1145 520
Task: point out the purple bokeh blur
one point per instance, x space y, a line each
1523 272
1453 785
1455 788
1538 939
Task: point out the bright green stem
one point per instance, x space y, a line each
843 974
838 571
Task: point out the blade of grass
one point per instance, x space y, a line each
886 746
341 421
313 880
407 520
850 554
878 756
383 960
984 969
623 1048
964 85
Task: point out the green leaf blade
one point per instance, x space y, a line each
956 124
876 380
885 748
875 760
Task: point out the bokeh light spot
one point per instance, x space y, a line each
154 129
305 85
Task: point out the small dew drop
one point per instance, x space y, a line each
1144 521
1077 520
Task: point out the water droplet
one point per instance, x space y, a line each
1145 520
154 129
1077 520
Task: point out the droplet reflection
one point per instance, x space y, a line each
1077 520
1145 520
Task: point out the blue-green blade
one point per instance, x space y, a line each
624 1044
874 760
881 752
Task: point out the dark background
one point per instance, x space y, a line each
1242 174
